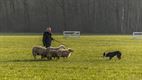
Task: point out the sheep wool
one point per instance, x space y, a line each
39 50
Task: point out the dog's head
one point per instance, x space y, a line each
104 54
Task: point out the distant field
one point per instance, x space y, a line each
86 63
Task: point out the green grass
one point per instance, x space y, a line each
86 63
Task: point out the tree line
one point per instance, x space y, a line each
87 16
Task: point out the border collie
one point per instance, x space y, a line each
112 54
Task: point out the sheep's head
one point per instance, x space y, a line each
70 50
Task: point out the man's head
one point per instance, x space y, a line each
48 29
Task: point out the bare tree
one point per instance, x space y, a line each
27 16
61 3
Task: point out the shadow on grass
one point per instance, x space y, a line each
30 60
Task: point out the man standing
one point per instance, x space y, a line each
47 37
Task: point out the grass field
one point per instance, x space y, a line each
86 63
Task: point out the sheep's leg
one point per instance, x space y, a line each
34 56
58 57
54 57
42 57
48 58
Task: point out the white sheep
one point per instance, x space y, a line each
60 53
53 49
65 53
41 51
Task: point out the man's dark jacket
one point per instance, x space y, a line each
47 39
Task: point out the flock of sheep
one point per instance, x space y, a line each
57 52
51 52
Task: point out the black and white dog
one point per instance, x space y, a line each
112 54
